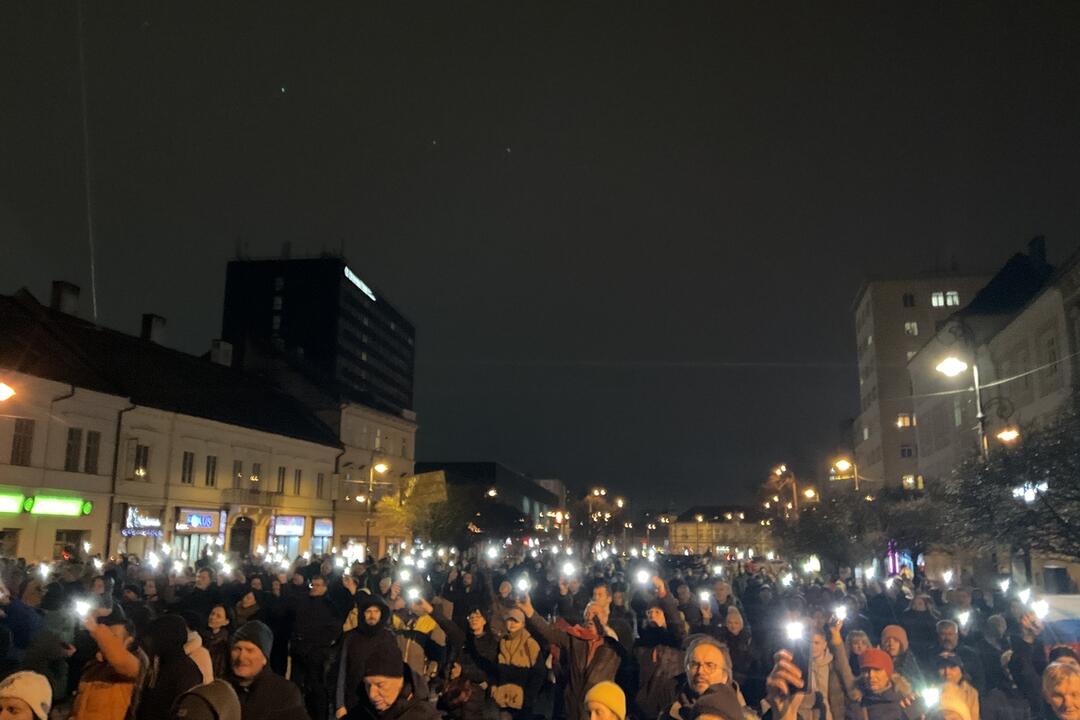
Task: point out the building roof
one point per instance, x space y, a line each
491 474
719 513
41 341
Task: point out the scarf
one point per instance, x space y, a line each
589 635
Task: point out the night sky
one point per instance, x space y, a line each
629 234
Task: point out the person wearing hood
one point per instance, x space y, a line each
263 694
171 671
590 653
371 635
317 623
658 652
894 640
520 671
706 678
214 701
391 692
111 680
195 650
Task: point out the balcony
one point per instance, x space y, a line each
252 496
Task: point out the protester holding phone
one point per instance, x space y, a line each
658 652
110 682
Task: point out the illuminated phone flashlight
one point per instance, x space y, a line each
931 696
568 569
405 575
1041 608
704 595
840 612
1024 595
523 584
98 564
413 594
493 552
153 560
643 577
947 576
178 566
226 569
889 582
82 608
1004 585
339 562
963 618
787 579
795 630
717 570
870 572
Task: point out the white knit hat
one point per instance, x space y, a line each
32 689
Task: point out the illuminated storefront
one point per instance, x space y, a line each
322 536
197 530
46 526
286 532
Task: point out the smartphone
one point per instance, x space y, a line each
799 646
413 594
83 608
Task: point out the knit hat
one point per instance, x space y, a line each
895 631
385 658
952 700
215 701
257 633
876 659
32 689
610 696
719 700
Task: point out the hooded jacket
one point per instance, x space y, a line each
659 657
359 645
171 672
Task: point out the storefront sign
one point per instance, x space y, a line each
197 521
289 526
49 505
324 527
11 502
138 523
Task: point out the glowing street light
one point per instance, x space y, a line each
381 468
951 366
6 392
810 493
843 464
619 502
1008 435
492 492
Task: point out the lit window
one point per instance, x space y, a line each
907 451
911 354
866 433
909 482
909 300
869 340
903 420
911 328
142 462
937 299
952 298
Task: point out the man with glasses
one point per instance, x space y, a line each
706 682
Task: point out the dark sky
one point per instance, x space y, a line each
629 234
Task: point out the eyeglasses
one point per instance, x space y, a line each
709 667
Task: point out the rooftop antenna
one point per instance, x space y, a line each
86 163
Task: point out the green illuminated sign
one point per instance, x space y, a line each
11 502
48 505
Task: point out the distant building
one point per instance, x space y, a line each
1017 331
341 333
893 318
720 529
119 442
495 484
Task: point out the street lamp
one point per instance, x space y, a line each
953 366
6 391
619 502
809 493
380 468
787 476
1008 435
843 465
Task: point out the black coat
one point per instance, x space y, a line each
269 697
581 673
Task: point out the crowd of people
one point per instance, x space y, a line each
516 637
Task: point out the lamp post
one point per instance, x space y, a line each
843 465
953 366
6 391
380 468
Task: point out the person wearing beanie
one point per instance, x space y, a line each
658 652
885 696
263 694
605 701
171 672
894 641
390 686
25 695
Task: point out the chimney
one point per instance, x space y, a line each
221 352
153 328
65 297
1037 249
